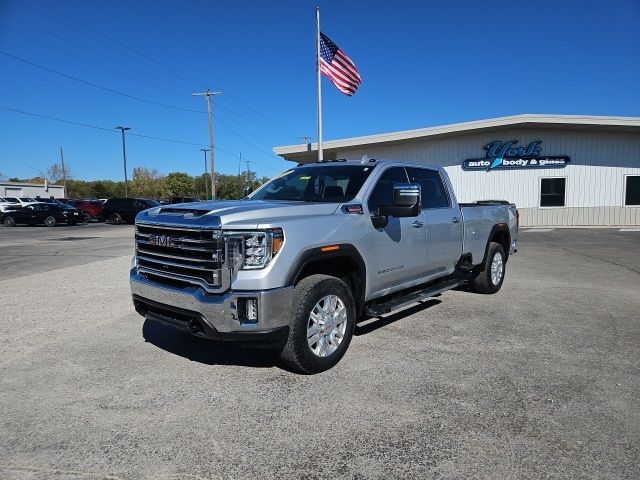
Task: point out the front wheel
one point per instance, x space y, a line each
50 221
322 321
86 218
9 221
491 275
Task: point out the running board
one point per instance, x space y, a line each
413 297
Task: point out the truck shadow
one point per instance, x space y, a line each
369 324
206 351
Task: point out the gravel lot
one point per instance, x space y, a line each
541 380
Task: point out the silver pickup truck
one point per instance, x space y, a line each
299 261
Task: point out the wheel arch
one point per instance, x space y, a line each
499 233
344 262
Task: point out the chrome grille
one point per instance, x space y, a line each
190 255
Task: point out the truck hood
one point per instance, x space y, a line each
246 213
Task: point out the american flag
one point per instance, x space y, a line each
338 67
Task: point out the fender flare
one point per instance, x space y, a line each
311 255
497 228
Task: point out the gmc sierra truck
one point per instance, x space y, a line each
301 259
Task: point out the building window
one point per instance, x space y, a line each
552 192
632 190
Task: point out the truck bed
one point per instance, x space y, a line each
479 219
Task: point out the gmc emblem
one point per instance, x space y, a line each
163 241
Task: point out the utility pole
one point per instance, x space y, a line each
64 174
124 159
240 164
206 186
208 94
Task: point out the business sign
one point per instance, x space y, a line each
510 155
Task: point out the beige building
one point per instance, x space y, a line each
560 170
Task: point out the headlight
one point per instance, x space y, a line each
252 250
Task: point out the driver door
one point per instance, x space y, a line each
397 252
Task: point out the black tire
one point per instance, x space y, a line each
86 218
9 221
483 281
115 219
297 353
50 221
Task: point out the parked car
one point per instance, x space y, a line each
89 209
49 214
54 201
7 205
119 210
20 201
312 251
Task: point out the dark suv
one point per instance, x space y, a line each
119 210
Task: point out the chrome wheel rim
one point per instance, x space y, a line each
327 325
49 221
9 221
497 268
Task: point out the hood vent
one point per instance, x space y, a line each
184 211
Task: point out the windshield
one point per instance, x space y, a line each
334 184
27 199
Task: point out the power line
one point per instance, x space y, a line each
110 130
84 47
99 128
117 72
152 102
127 49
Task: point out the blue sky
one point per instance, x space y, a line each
423 63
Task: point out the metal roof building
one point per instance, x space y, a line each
33 190
560 170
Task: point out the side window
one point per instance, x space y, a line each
552 192
434 193
632 190
383 191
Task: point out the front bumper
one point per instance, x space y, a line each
213 316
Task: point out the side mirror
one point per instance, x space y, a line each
406 201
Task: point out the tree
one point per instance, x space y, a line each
147 182
178 184
55 173
78 189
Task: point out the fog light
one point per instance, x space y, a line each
252 310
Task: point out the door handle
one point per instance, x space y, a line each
455 220
417 224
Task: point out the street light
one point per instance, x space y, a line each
124 159
206 184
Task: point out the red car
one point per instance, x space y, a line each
89 209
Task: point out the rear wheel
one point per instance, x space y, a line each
9 221
489 279
50 221
322 321
115 219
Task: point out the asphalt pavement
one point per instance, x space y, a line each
541 380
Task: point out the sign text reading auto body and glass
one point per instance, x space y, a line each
510 155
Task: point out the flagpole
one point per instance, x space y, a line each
318 78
